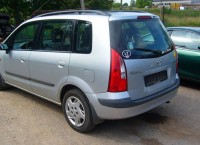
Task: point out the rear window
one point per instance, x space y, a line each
140 38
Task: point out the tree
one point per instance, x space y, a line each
116 5
17 9
99 4
21 10
143 3
125 5
132 3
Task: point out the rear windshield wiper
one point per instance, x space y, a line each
150 50
181 46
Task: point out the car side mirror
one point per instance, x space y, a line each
199 47
4 47
1 46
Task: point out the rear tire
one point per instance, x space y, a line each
3 85
77 111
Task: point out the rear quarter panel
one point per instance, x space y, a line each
94 68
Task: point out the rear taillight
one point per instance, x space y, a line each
118 78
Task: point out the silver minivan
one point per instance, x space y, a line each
97 65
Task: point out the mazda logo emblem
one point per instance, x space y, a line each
158 62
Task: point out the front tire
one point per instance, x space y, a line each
77 111
3 85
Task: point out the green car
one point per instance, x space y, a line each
187 43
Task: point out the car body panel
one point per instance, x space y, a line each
189 62
16 68
136 73
47 70
189 58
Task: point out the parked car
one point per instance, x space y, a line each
5 27
97 65
187 42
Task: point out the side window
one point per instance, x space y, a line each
23 38
84 37
186 39
56 36
194 40
179 38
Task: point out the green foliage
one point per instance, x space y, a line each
125 5
143 3
98 4
187 17
20 10
116 5
177 13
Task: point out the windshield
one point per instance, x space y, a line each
140 38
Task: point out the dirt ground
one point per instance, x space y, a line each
28 120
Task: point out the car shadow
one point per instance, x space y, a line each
127 131
190 84
35 99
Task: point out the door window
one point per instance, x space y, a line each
84 37
23 37
187 39
56 36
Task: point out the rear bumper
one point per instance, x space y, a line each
113 108
127 102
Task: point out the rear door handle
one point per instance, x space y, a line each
61 63
23 59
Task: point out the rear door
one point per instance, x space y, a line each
148 55
50 60
16 62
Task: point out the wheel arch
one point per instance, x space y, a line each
68 87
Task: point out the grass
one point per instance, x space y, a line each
186 21
178 17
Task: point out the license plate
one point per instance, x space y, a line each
155 78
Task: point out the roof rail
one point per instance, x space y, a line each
75 12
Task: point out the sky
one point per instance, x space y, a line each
124 1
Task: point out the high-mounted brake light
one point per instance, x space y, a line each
118 78
144 17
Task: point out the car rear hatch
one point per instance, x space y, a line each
147 52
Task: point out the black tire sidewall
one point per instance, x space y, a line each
2 83
88 124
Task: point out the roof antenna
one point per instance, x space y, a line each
40 7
